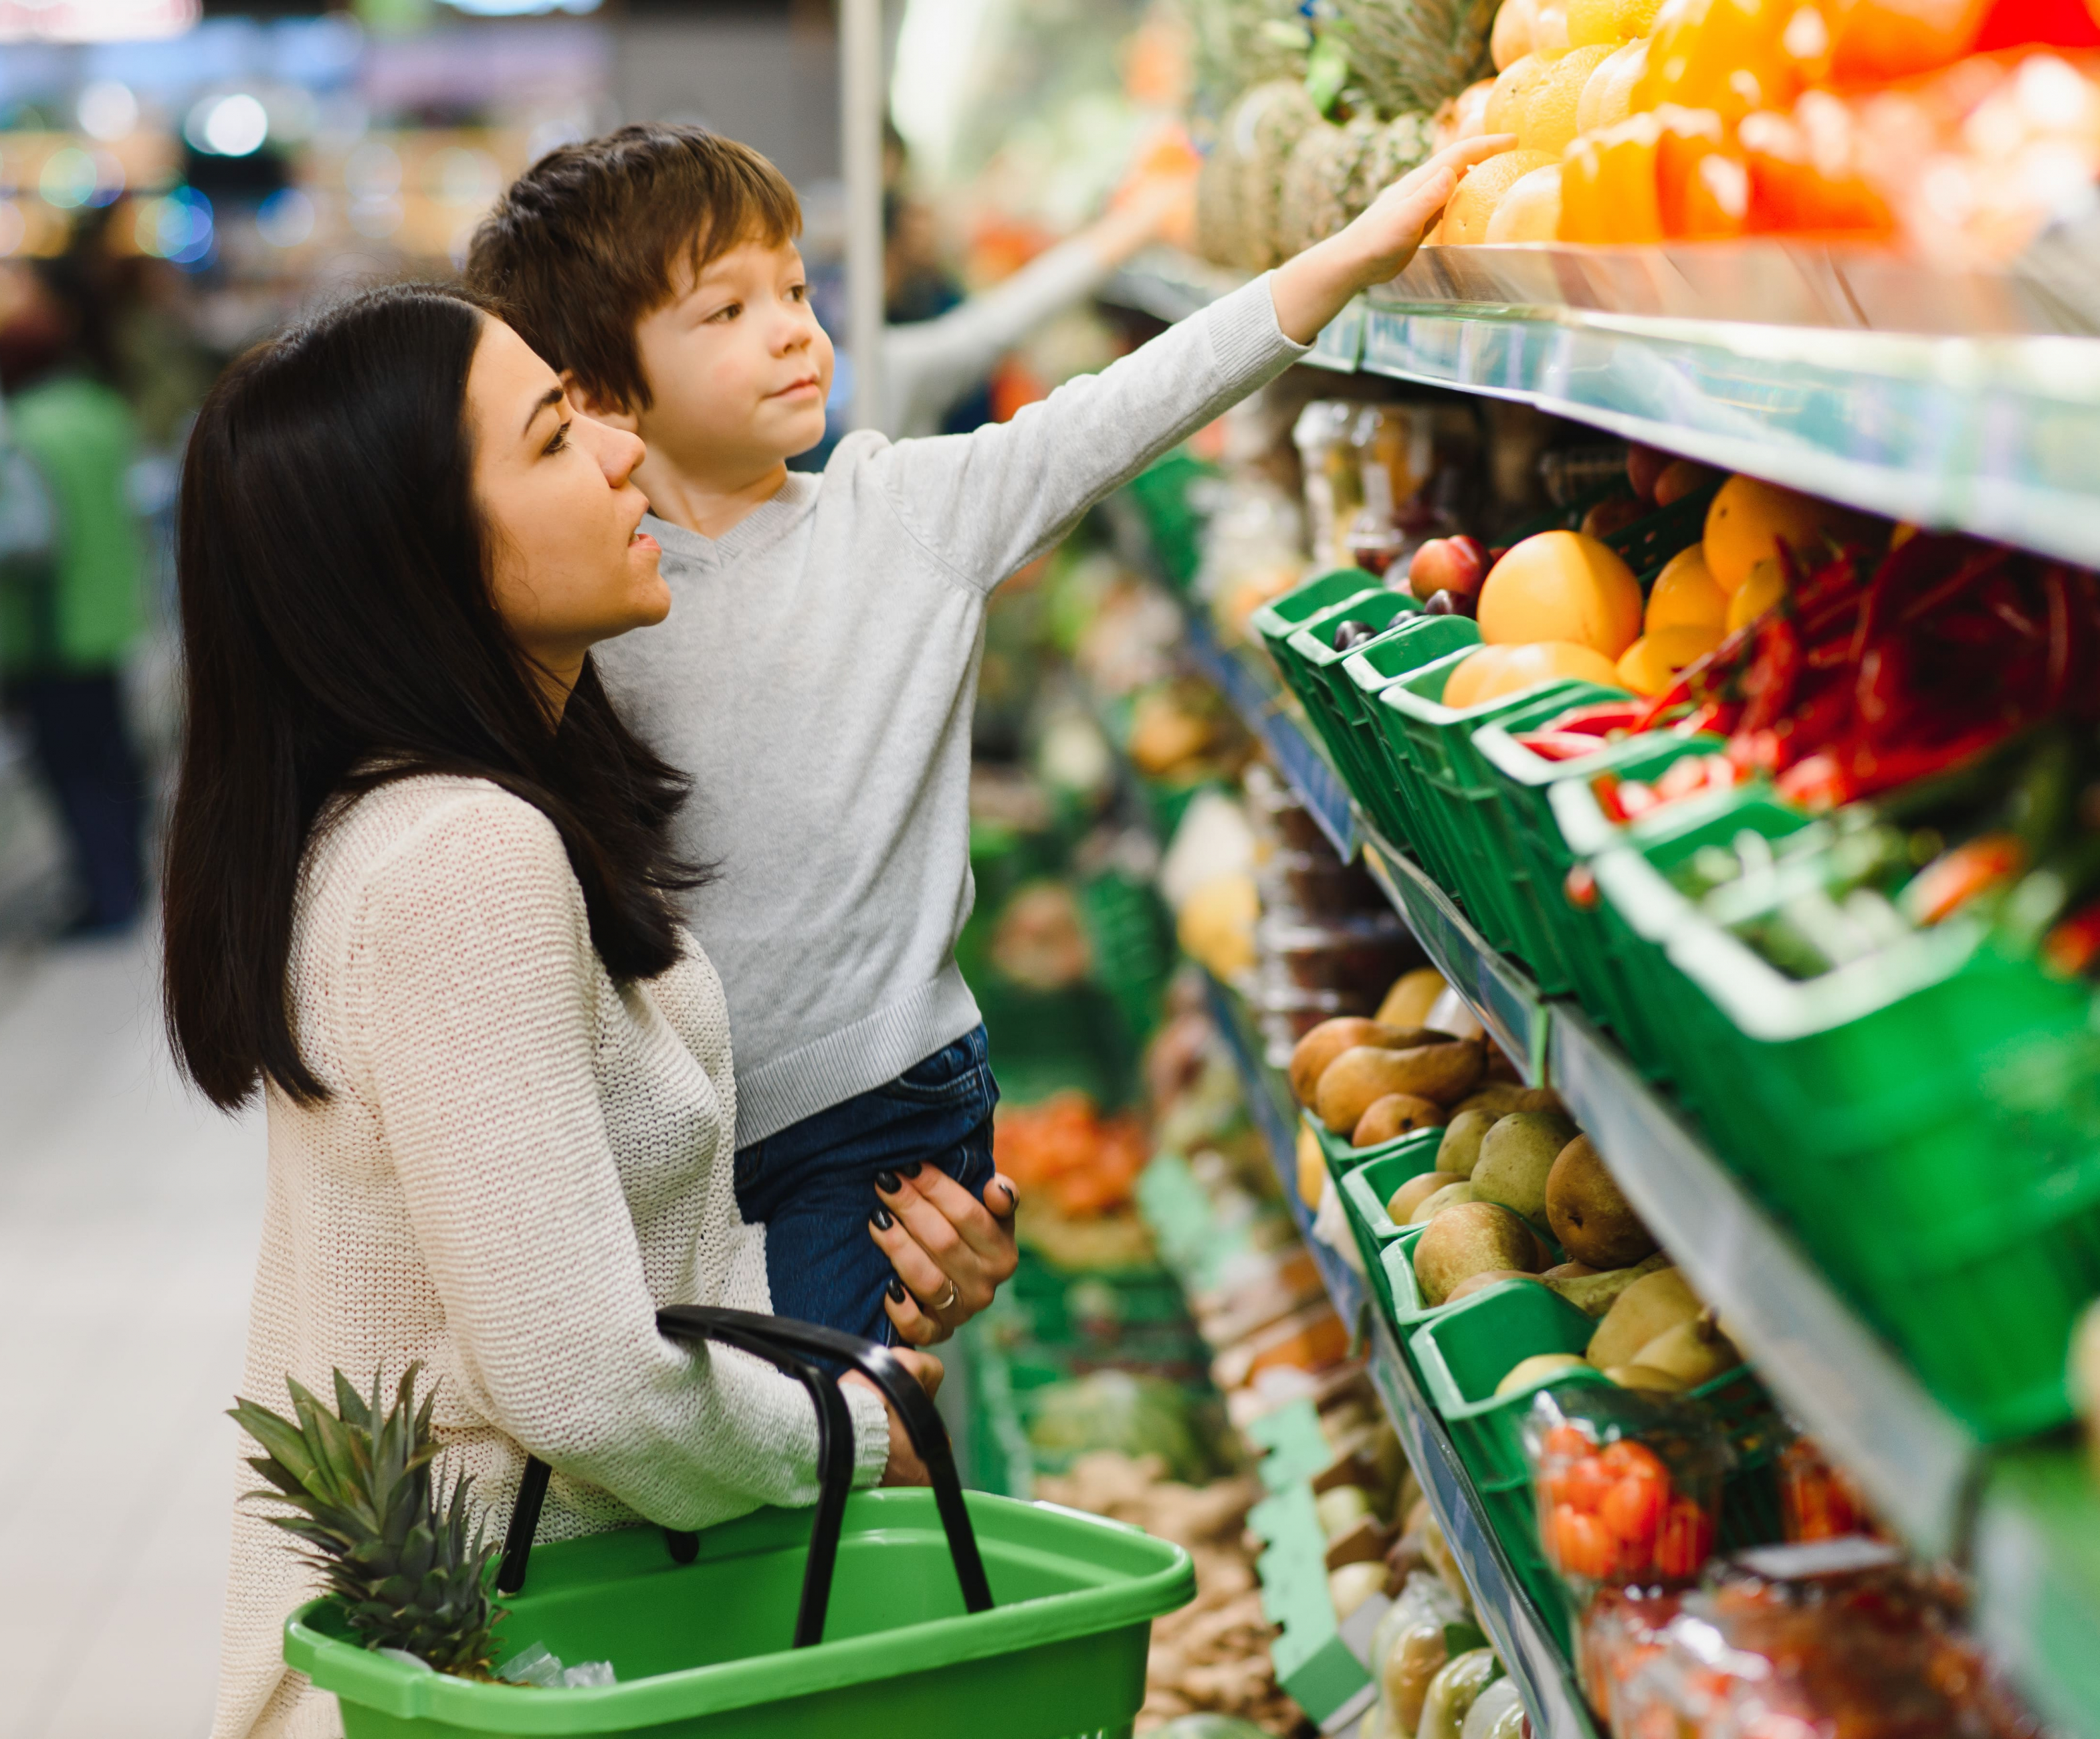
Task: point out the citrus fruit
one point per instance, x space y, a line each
1561 585
1471 674
1466 217
1523 667
1755 595
1549 110
1609 21
1607 97
1750 518
1684 595
1530 211
1549 28
1651 663
1701 185
1512 88
1510 38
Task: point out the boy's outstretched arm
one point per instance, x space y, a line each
1310 289
986 504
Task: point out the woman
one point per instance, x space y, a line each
418 891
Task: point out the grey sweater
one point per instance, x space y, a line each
816 678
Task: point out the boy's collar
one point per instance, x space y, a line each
784 505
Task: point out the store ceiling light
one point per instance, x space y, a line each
107 110
95 20
228 126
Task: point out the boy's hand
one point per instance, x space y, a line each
903 1467
1311 289
951 1252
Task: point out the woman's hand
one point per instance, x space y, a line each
904 1468
1311 289
951 1251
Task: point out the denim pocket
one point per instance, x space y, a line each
950 1077
750 1165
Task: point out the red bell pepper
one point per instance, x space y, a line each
1560 745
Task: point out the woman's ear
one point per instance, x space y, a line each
609 412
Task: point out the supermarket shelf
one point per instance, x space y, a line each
1512 1623
1508 1002
1254 696
1915 1459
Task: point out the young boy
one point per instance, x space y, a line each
817 674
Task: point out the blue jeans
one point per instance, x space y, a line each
813 1183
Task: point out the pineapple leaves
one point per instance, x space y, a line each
404 1562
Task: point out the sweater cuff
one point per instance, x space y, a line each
870 1420
1249 337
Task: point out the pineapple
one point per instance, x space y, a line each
406 1564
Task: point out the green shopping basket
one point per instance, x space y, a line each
889 1612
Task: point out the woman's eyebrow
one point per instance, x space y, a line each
552 396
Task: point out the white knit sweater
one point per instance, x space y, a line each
518 1163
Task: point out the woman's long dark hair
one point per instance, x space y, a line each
339 632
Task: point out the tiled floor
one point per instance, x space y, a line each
128 1223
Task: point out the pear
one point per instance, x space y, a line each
1312 1168
1516 1157
1450 1196
1460 1150
1412 996
1594 1222
1410 1195
1541 1099
1329 1039
1643 1311
1569 1271
1497 1098
1395 1115
1594 1294
1538 1368
1361 1076
1494 1277
1693 1351
1641 1376
1470 1239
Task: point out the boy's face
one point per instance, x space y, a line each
737 367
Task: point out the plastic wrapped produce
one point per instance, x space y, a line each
1410 1647
1454 1692
1497 1713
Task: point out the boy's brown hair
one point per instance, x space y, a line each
591 240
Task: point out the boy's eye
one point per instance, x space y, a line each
798 292
728 313
558 441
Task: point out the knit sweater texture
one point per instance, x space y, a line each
518 1163
817 676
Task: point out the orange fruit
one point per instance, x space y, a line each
1651 663
1523 667
1625 180
1512 88
1466 217
1724 54
1609 21
1471 674
1549 111
1702 186
1530 211
1755 595
1549 28
1684 595
1509 41
1750 518
1608 97
1561 585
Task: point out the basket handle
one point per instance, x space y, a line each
792 1348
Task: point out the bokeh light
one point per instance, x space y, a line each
286 218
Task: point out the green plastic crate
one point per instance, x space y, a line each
1343 1158
1390 798
1279 618
1368 1188
1329 695
1276 621
1476 858
1930 1121
1396 1262
701 1648
1574 830
1668 1030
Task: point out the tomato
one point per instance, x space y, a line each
1626 1456
1686 1541
1567 1441
1632 1509
1581 1484
1580 1546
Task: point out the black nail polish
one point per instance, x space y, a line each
886 1182
910 1169
895 1289
883 1222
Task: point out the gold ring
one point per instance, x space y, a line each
949 1297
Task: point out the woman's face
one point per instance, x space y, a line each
571 567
